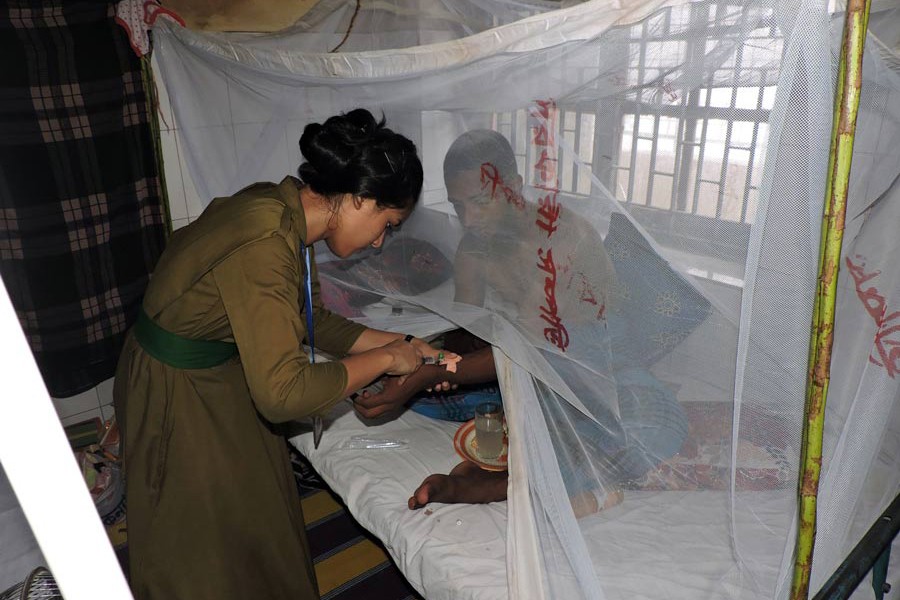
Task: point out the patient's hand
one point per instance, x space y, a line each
474 368
467 483
440 388
397 392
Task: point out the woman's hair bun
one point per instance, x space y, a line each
355 153
359 120
330 148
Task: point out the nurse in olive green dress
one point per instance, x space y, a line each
216 361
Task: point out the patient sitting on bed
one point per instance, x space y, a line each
484 185
653 423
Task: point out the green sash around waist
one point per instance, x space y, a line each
180 352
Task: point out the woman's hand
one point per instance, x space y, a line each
406 357
394 394
439 357
430 352
393 356
436 355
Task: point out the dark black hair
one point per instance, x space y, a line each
354 154
478 147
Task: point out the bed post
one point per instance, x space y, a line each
846 106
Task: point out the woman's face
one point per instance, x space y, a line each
360 224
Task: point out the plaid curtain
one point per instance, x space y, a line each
82 221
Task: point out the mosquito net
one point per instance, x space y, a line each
624 198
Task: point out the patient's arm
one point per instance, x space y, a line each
475 367
468 483
469 276
463 342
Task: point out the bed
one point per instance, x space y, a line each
459 551
445 551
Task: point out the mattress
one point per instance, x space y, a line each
446 551
656 544
459 551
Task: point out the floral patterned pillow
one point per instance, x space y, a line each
764 459
406 265
659 306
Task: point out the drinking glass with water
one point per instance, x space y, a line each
489 429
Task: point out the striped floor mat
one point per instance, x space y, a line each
350 563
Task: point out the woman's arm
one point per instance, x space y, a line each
259 290
365 356
373 338
476 367
367 353
398 357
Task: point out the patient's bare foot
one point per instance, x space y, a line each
588 503
467 483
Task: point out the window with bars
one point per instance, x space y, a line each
698 152
701 152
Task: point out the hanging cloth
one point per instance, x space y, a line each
83 218
137 17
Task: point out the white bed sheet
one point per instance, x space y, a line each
651 535
467 561
459 551
452 552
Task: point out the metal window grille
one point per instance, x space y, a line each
700 152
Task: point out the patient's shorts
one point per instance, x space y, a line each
651 429
455 406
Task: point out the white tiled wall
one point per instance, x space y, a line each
185 204
96 402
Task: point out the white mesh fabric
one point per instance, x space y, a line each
652 335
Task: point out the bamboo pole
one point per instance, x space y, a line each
846 107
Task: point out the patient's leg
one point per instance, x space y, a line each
588 503
467 483
470 484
